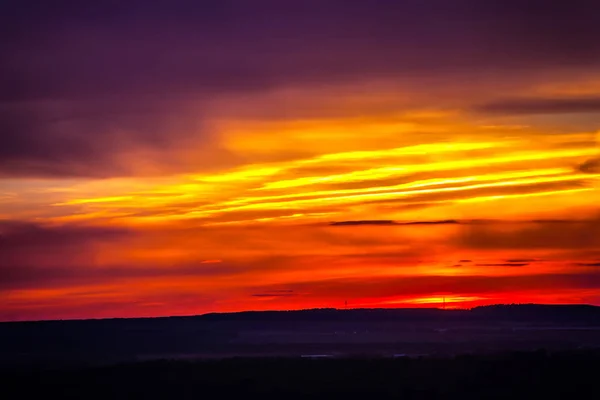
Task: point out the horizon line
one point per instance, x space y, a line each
342 309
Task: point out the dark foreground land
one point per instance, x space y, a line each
515 375
483 353
326 332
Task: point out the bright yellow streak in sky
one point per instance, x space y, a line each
386 172
96 200
435 300
393 194
340 184
424 183
409 150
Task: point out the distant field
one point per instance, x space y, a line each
515 375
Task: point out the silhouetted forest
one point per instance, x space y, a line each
515 375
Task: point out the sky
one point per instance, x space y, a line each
184 157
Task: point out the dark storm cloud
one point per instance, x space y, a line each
542 106
74 75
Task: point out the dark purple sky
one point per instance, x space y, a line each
82 82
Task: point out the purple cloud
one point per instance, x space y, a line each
542 106
83 85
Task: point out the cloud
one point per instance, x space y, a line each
443 222
508 191
101 138
26 275
510 264
275 293
181 46
366 222
544 234
591 166
32 254
542 106
87 91
459 222
22 235
390 222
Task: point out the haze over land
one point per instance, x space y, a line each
222 156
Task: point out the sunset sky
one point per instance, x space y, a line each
183 157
